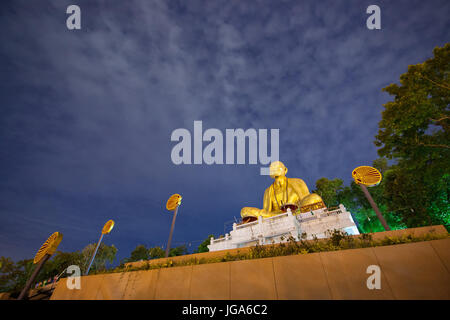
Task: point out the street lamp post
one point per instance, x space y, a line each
366 176
44 253
106 229
172 205
375 207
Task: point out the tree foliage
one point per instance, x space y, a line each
178 251
328 190
14 280
13 276
416 124
203 247
140 253
414 131
156 252
414 134
105 254
333 192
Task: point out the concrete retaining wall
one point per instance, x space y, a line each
439 230
4 295
408 271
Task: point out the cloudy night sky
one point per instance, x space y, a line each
86 115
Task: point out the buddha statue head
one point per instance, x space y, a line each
277 169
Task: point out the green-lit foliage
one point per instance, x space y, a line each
352 197
369 222
439 208
415 131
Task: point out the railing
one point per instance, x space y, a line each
218 240
246 225
304 217
284 223
249 233
278 216
300 219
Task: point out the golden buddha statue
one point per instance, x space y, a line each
283 193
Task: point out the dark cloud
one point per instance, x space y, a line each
87 115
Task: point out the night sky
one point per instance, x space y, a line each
86 115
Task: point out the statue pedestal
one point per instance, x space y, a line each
279 228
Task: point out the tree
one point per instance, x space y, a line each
414 130
139 253
59 263
13 276
178 251
381 164
156 252
203 247
104 255
328 190
418 198
7 267
352 197
416 124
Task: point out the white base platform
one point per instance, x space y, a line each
279 228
